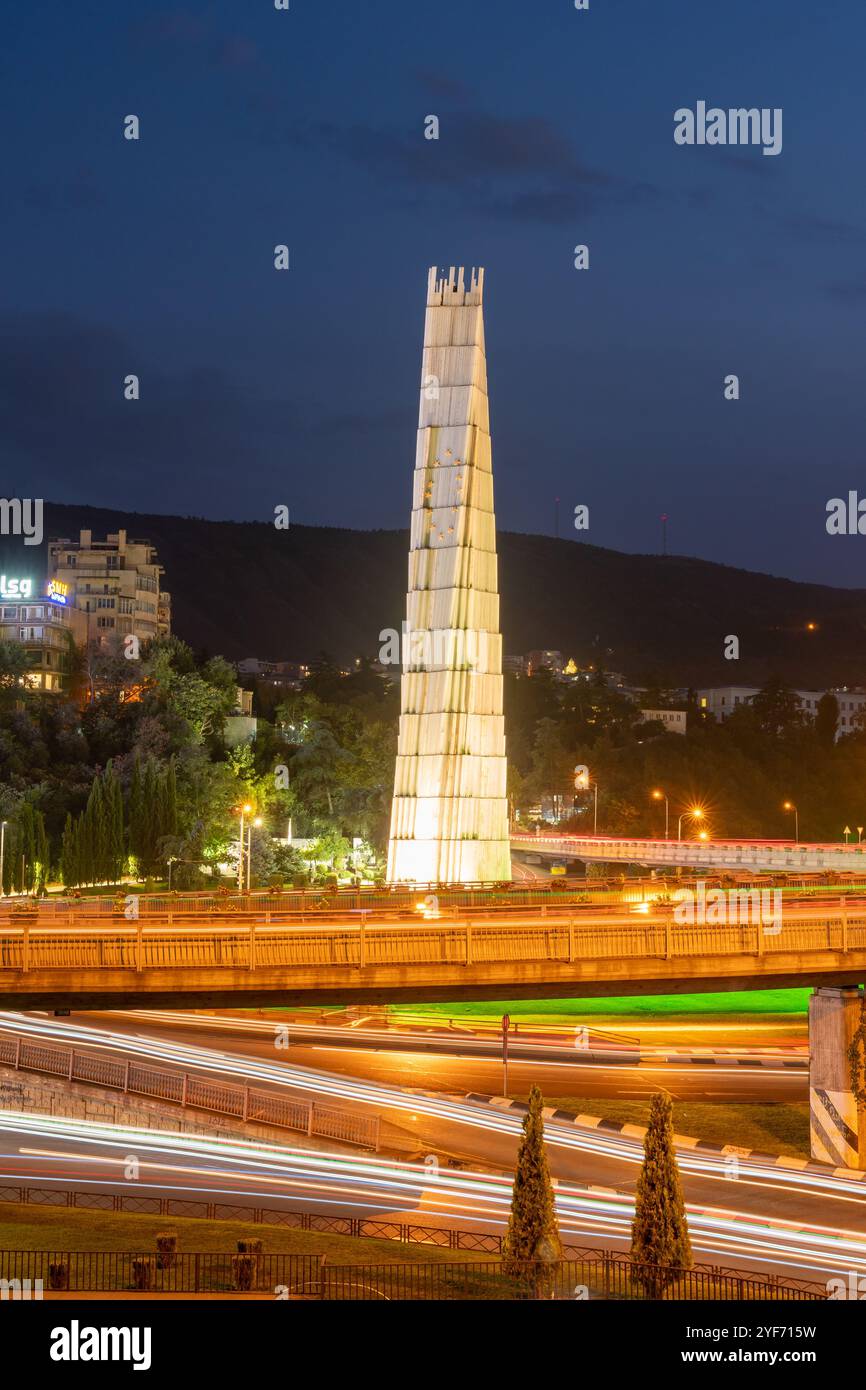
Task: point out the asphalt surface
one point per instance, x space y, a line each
744 1198
465 1064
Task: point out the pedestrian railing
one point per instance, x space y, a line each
168 1271
259 947
611 1271
189 1090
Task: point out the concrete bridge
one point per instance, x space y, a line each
539 953
761 856
548 953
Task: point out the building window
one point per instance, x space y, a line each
105 603
105 622
72 560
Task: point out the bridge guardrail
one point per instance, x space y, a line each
140 947
190 1091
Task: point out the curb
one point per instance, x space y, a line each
686 1141
721 1059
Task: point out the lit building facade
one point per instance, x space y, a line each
449 817
721 701
46 625
116 583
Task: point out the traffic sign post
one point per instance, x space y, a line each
506 1023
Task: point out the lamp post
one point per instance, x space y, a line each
244 811
694 813
660 796
789 806
583 784
3 825
257 822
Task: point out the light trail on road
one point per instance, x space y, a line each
836 1185
222 1169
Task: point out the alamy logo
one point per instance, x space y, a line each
77 1343
846 517
20 1289
737 126
430 649
22 516
855 1287
717 907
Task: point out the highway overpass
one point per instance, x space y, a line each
545 953
747 856
538 954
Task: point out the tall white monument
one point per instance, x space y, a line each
449 819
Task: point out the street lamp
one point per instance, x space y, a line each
660 796
3 825
244 811
583 784
694 813
789 806
257 822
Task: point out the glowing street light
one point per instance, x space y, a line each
244 811
789 806
660 796
693 813
257 822
583 784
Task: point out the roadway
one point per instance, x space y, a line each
465 1063
763 856
756 1215
540 953
50 1152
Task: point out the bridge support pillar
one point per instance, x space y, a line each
837 1125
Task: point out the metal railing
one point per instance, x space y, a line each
357 1227
191 1091
312 1276
257 947
734 854
168 1272
313 902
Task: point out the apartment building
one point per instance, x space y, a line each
116 583
46 625
721 701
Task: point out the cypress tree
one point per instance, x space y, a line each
169 807
26 844
90 846
659 1233
11 859
532 1230
114 825
43 853
136 810
151 815
78 852
67 853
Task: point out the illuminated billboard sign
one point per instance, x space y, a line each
57 591
15 588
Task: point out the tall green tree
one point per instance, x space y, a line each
659 1234
827 719
532 1232
113 798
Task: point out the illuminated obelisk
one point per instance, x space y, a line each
449 819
